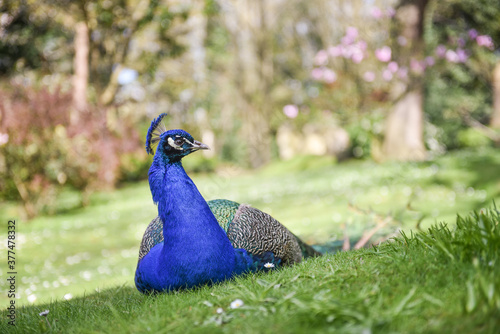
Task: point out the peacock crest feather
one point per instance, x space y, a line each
155 131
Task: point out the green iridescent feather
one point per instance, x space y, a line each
223 211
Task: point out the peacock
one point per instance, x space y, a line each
193 242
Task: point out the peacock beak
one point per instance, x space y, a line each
199 146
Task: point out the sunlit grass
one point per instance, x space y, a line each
83 250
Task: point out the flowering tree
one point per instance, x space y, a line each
391 67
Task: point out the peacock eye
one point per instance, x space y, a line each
179 141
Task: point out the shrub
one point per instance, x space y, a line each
43 150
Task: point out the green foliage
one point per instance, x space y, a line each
472 138
134 166
29 38
366 133
448 102
461 90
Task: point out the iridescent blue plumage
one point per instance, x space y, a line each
186 245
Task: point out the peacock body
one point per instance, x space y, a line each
192 242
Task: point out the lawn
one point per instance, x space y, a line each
92 252
435 282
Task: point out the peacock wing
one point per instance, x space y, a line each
152 236
258 233
247 228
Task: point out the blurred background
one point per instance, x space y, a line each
337 117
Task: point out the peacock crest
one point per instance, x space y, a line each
155 131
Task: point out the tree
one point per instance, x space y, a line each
250 24
81 70
404 127
495 117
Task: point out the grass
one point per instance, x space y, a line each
79 252
442 281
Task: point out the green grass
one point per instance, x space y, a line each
435 282
80 251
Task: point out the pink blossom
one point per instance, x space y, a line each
351 32
383 54
369 76
357 57
291 110
321 58
387 75
402 40
393 66
472 33
329 76
417 66
347 40
403 73
377 13
462 55
362 45
355 52
390 12
441 51
335 51
347 51
4 138
429 61
452 56
317 73
485 40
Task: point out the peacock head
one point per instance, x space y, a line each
175 144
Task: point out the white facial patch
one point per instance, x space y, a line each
172 143
187 141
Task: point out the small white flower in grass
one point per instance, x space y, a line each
220 310
68 296
269 265
44 313
237 303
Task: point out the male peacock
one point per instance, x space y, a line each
193 242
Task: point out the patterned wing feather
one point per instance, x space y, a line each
247 228
258 232
152 236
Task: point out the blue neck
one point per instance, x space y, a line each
196 249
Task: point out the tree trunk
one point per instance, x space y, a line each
197 22
404 132
404 127
249 23
495 117
81 68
